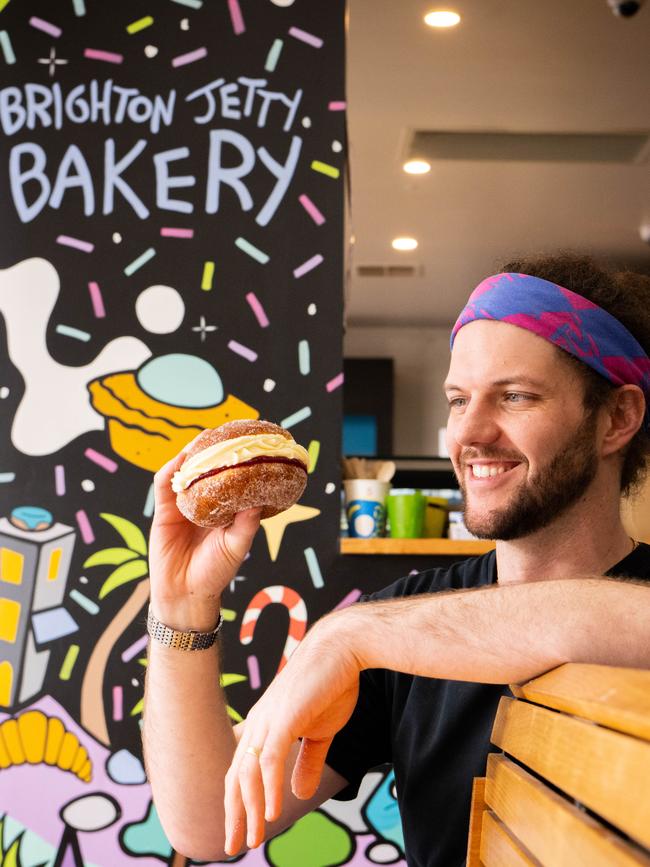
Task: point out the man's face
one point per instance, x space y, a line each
521 442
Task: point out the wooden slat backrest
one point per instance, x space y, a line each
615 697
550 827
585 730
476 822
499 848
603 769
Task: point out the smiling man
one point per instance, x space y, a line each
524 449
547 388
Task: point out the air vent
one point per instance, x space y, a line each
530 147
389 271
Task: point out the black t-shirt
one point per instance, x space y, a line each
436 733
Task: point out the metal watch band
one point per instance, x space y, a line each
179 640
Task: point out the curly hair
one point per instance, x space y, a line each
626 296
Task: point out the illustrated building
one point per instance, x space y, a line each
35 556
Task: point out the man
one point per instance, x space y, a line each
547 426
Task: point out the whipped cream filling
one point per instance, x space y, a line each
230 453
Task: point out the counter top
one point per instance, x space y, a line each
439 547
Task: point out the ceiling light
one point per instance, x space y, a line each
404 243
442 18
417 167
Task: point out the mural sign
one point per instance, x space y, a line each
171 195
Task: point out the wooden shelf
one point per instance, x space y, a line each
440 547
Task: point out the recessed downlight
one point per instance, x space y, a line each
442 18
417 167
404 244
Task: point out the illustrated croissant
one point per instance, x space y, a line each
35 738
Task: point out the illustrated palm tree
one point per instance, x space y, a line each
10 856
131 565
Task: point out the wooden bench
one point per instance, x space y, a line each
572 786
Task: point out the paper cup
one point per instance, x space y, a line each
366 507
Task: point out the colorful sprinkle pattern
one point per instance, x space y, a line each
194 273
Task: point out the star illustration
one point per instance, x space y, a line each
233 583
52 61
202 328
274 527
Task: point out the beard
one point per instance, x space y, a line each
545 497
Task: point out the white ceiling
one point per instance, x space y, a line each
511 65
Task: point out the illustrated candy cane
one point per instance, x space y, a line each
292 601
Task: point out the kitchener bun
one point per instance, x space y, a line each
262 471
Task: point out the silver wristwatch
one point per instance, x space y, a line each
179 640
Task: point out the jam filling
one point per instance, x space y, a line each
261 460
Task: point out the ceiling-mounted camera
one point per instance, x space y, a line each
625 8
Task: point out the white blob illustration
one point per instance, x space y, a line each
185 23
306 122
55 408
88 486
269 385
117 238
350 813
337 147
283 3
160 309
150 51
4 392
330 487
383 853
312 309
90 812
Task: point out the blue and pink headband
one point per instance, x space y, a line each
566 319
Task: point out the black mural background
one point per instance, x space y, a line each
291 238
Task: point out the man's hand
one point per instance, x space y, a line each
494 634
312 698
190 566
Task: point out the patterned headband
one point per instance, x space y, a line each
566 319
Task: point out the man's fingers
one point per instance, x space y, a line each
246 523
272 761
163 478
308 769
162 481
235 817
244 793
238 537
252 792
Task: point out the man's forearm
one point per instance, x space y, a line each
500 634
505 634
188 743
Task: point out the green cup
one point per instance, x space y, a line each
405 513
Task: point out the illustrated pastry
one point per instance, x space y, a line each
240 465
153 412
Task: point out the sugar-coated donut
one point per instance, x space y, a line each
242 464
